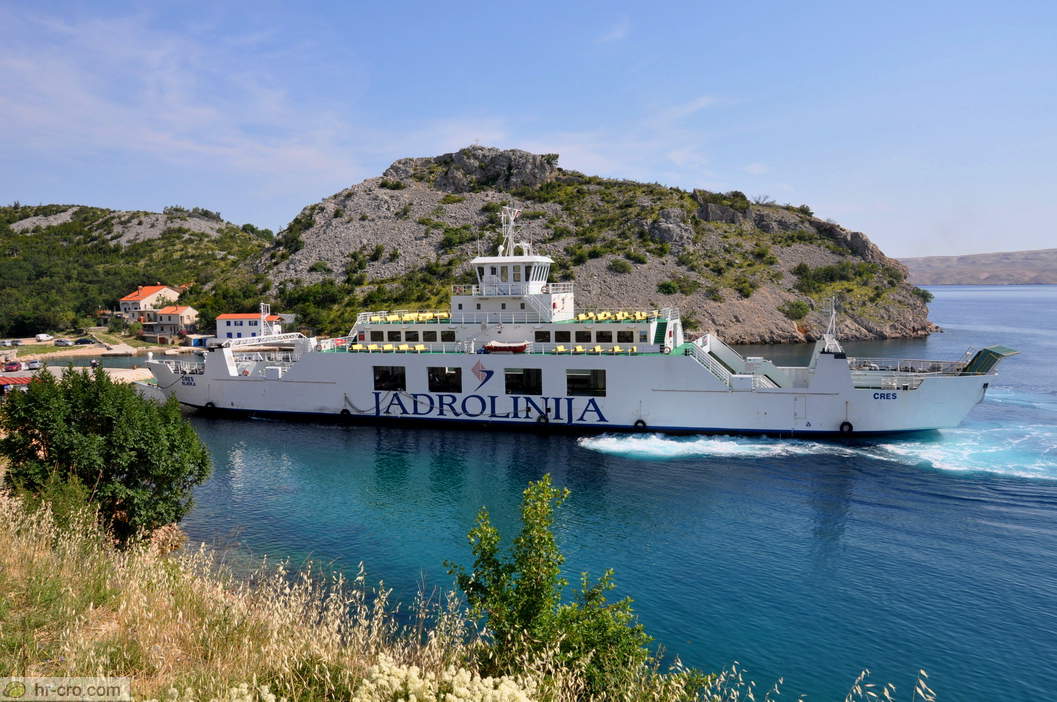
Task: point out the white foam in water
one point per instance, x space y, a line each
1029 451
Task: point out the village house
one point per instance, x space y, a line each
168 324
245 325
146 297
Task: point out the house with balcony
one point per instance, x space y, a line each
169 324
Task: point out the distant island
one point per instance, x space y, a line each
1037 267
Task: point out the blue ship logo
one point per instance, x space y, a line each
482 374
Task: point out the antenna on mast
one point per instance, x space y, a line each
830 343
507 217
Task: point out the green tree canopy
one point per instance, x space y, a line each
138 460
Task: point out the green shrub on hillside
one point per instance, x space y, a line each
619 265
922 294
391 185
138 460
794 309
814 280
319 267
680 284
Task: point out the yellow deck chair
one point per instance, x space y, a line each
388 347
604 316
372 348
560 349
425 316
597 349
579 349
420 347
616 349
633 349
357 347
403 347
377 318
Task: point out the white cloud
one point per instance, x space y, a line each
619 30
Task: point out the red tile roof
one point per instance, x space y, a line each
247 315
174 309
143 292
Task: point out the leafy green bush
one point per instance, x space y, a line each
451 199
636 256
619 265
813 280
139 460
521 599
922 294
744 286
391 185
679 284
377 252
794 309
735 199
319 267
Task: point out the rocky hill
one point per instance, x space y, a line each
753 272
1037 267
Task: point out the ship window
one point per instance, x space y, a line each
444 379
480 273
478 305
522 305
583 337
377 336
642 337
393 336
625 336
460 305
389 378
585 383
524 381
528 273
543 337
604 337
493 270
503 273
517 274
411 336
562 337
429 336
448 335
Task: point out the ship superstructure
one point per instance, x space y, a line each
513 349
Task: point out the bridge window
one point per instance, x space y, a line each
377 336
604 337
444 379
543 337
524 381
448 335
411 336
517 274
503 273
480 273
389 378
642 337
429 336
625 336
585 383
562 337
393 336
583 337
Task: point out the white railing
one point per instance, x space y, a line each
263 340
708 361
511 289
908 366
185 367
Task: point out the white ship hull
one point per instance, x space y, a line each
671 393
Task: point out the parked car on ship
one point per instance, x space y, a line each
12 366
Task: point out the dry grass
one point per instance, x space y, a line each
73 604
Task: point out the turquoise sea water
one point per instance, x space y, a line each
804 559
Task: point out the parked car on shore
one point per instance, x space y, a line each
16 342
63 342
44 337
84 340
6 342
12 366
33 365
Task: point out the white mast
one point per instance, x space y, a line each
507 217
830 343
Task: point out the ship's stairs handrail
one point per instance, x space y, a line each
262 340
910 366
711 363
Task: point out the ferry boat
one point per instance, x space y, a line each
513 350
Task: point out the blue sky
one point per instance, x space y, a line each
932 127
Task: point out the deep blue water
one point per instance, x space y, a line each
804 559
